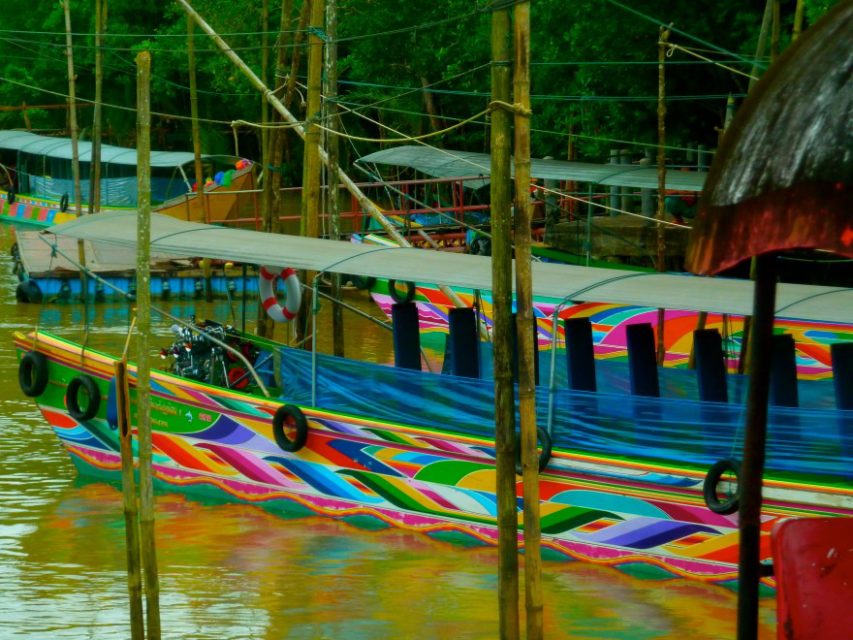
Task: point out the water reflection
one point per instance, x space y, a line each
237 571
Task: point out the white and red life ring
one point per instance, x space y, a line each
266 287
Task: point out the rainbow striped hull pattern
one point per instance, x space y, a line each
33 211
812 339
647 519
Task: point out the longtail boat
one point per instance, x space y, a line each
641 481
37 189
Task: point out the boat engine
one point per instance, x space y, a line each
198 354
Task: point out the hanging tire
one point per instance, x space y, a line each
32 374
28 291
481 246
545 445
397 295
289 418
731 503
72 398
10 196
63 203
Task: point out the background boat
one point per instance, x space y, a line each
37 189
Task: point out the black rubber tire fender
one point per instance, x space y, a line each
546 446
72 398
33 374
63 203
709 487
398 297
28 291
292 417
10 196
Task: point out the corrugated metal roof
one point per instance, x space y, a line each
61 148
556 281
443 163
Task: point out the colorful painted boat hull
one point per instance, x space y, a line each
812 339
645 518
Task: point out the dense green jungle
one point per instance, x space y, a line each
414 66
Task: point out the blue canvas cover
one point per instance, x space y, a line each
675 428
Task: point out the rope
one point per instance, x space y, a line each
692 52
515 108
404 138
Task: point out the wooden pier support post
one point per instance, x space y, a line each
330 117
526 324
75 156
310 222
143 365
501 216
755 438
660 261
131 513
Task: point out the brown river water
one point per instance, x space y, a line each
230 571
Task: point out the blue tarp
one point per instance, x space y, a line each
675 428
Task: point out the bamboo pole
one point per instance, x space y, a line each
660 263
526 324
369 206
143 366
755 437
798 21
275 152
309 223
75 157
265 77
131 513
330 111
207 272
196 133
501 216
95 170
775 31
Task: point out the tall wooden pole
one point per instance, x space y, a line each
131 512
749 522
196 132
526 323
199 174
310 226
775 31
274 153
75 156
798 20
143 366
72 110
660 263
501 216
95 167
310 222
330 112
265 78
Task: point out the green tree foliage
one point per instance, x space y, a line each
414 66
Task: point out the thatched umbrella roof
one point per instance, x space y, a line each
781 178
